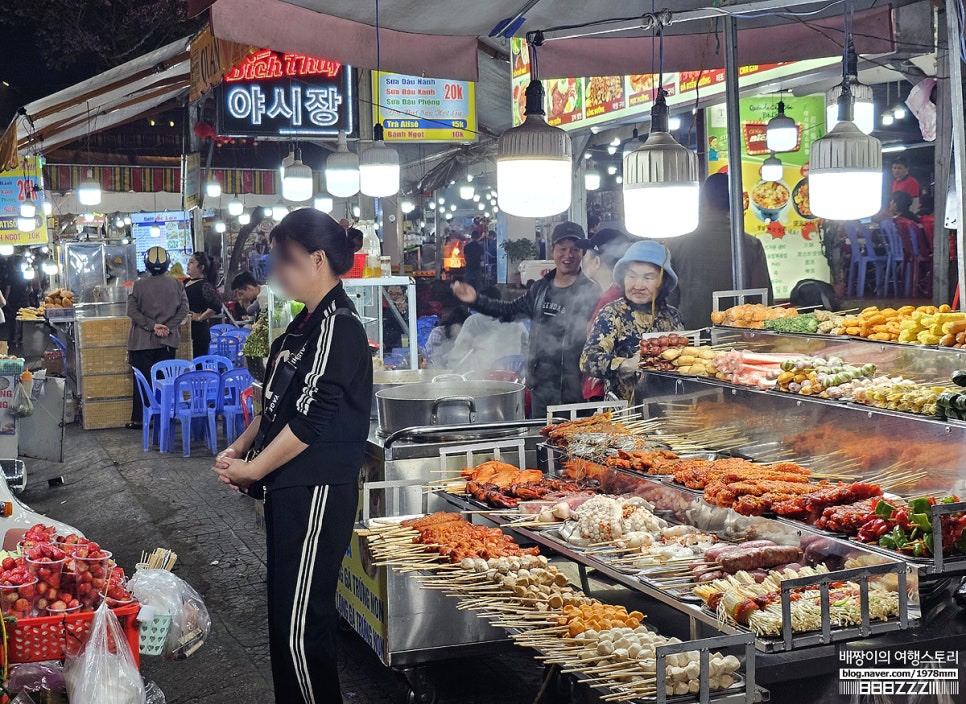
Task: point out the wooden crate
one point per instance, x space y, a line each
106 414
104 360
99 386
103 332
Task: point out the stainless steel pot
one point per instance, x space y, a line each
389 378
449 403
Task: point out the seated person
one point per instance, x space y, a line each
612 352
251 295
441 339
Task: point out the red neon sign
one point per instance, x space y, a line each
267 64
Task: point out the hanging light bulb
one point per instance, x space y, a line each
244 219
119 222
442 201
28 210
453 207
48 208
496 209
212 188
235 207
781 134
6 250
480 206
88 217
845 171
379 169
29 273
155 231
26 224
286 162
431 205
619 179
863 107
324 203
591 180
297 182
127 219
279 212
661 191
674 123
89 190
772 169
49 268
220 227
533 163
467 191
887 119
611 149
611 170
407 206
469 178
899 112
356 212
342 171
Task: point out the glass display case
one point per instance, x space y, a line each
387 307
97 272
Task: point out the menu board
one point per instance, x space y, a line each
574 103
174 235
777 212
420 109
18 186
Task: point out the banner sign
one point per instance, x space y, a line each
24 184
210 59
285 96
418 109
777 212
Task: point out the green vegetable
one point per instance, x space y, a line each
918 548
883 509
256 345
922 520
959 378
920 505
805 324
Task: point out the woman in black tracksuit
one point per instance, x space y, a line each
304 453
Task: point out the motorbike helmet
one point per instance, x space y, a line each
156 260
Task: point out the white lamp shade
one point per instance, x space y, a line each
213 189
772 169
887 119
297 183
220 227
89 190
279 212
235 207
50 268
48 208
6 250
28 210
863 108
244 219
592 180
407 206
155 231
324 203
467 192
342 171
781 135
29 273
379 171
480 206
26 224
661 190
845 174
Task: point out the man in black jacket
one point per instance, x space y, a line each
559 306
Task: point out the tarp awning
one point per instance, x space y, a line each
111 98
439 38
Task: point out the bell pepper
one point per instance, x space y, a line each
921 505
894 539
922 520
883 509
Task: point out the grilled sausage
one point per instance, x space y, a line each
757 558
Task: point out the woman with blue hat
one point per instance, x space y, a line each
612 352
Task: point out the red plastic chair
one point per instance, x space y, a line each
246 401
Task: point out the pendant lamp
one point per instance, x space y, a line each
28 210
379 169
772 169
297 182
863 107
533 163
342 171
213 188
661 190
407 206
591 180
781 134
467 191
324 203
244 219
235 207
89 190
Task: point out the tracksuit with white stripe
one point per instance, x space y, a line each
311 501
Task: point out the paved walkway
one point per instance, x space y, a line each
131 500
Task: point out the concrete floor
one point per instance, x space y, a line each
131 500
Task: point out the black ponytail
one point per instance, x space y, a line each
315 231
207 264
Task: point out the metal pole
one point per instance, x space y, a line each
942 166
734 151
954 34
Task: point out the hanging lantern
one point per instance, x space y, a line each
89 190
591 179
324 203
235 207
772 169
781 134
342 171
297 185
379 169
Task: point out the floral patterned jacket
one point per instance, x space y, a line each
615 337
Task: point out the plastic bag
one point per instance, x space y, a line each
104 671
169 594
21 406
37 676
154 694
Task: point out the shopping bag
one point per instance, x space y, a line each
104 671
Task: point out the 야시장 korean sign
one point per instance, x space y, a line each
419 109
17 187
776 212
273 94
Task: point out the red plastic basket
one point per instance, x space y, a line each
45 637
358 269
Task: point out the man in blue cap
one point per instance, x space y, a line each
559 306
612 351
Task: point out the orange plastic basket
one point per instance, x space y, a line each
46 637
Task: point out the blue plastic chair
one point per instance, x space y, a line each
230 346
169 369
896 251
221 329
152 409
864 255
59 345
233 384
212 363
194 397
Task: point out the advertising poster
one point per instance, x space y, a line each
573 103
18 186
8 424
776 212
170 229
419 109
